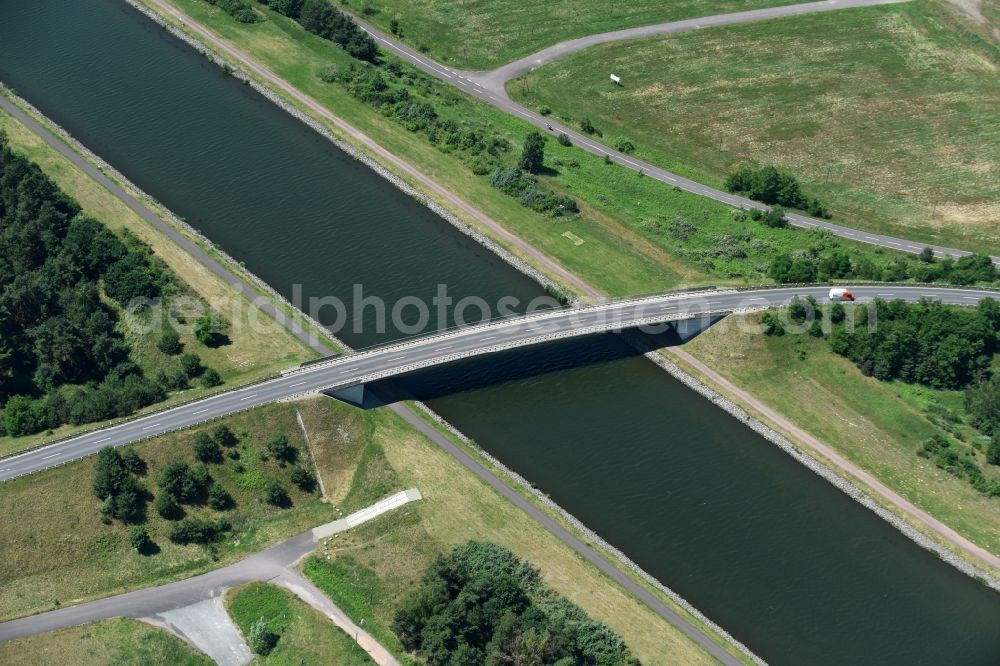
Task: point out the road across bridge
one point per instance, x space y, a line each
409 355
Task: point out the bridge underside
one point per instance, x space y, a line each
369 395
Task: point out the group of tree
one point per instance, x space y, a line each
526 189
238 9
925 343
773 187
55 330
322 18
834 262
940 451
116 484
481 604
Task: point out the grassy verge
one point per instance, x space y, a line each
305 636
59 552
877 425
483 34
888 114
370 568
118 641
258 347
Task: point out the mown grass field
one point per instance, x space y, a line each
889 114
59 552
877 425
483 34
306 637
373 566
254 351
120 642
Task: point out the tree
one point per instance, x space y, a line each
211 378
170 342
132 462
111 475
223 436
993 451
195 530
775 218
304 479
206 449
533 153
798 311
177 480
564 139
209 330
22 416
982 402
191 364
279 448
219 498
168 507
262 639
837 313
927 255
275 493
139 539
587 127
624 145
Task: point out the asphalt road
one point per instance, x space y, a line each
406 356
490 87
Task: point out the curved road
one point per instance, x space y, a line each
409 355
490 87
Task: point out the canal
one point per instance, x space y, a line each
774 554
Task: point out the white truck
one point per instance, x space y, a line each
841 294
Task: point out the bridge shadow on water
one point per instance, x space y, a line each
506 366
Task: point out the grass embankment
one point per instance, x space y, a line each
483 34
634 235
305 636
887 114
254 351
120 642
372 567
58 551
877 425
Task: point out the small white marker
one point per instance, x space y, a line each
149 427
247 397
51 455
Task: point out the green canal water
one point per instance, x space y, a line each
777 556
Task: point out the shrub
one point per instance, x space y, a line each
304 479
623 145
262 639
168 507
279 448
238 9
775 218
195 530
206 449
544 110
772 324
170 342
219 498
223 436
533 153
587 127
178 481
132 462
139 539
191 365
771 186
564 139
210 330
275 493
211 378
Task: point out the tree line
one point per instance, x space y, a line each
481 604
773 187
322 18
63 357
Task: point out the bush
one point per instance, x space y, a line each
178 481
275 493
304 479
564 139
587 127
195 530
210 330
279 448
139 539
170 342
775 218
206 449
262 639
771 186
238 9
533 153
623 145
168 507
223 436
544 110
132 462
772 324
328 74
219 498
191 365
211 378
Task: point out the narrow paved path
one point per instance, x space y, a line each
490 88
600 560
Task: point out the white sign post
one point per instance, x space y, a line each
617 79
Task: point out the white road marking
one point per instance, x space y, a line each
296 384
247 397
149 427
101 440
51 455
200 411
